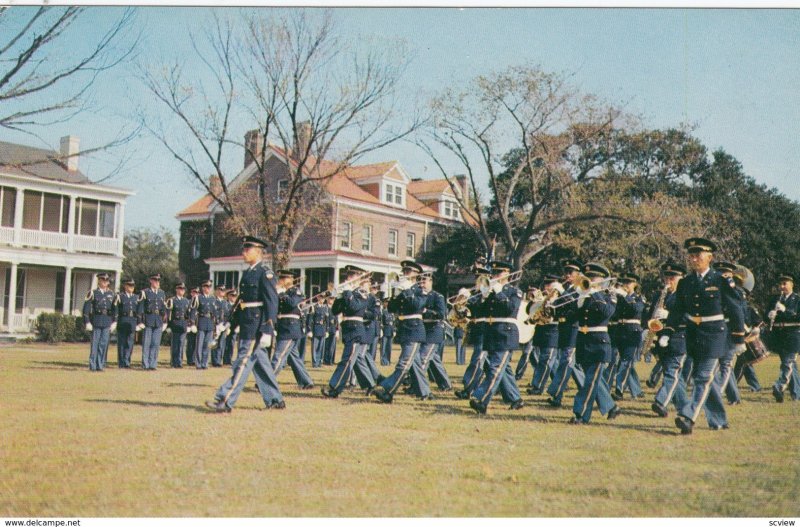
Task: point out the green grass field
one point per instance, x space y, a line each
135 443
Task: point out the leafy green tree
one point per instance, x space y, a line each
150 251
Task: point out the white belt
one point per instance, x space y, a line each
289 315
498 320
482 319
700 320
548 324
631 321
786 324
408 317
592 329
352 319
244 305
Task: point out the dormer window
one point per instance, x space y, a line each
394 194
449 209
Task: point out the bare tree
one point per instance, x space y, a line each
296 82
48 74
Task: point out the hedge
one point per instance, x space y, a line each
57 327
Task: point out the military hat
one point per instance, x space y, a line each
180 285
221 287
230 292
786 277
626 278
128 281
596 269
550 278
478 269
349 269
252 241
673 269
572 264
498 266
156 276
411 265
725 267
531 287
694 245
285 273
103 276
194 290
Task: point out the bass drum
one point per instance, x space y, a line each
525 330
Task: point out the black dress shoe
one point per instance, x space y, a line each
308 387
329 392
719 427
649 383
552 402
576 421
478 407
533 391
516 405
684 424
218 406
462 394
279 405
429 397
380 379
614 412
659 410
777 394
617 395
382 395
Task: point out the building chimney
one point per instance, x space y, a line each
253 141
215 185
462 182
303 140
70 146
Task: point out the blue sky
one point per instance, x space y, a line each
732 73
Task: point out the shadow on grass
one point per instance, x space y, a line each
190 384
60 365
153 404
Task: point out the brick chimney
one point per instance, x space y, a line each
70 146
303 140
462 181
253 141
215 185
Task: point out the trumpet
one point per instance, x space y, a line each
333 291
584 288
483 282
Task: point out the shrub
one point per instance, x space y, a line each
56 327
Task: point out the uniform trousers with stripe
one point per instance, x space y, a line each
286 353
98 349
673 390
544 368
788 376
407 364
705 393
530 355
432 363
257 363
725 378
627 377
474 372
151 339
593 390
498 371
566 369
202 352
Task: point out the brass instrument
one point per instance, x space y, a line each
333 291
484 282
654 325
542 310
583 288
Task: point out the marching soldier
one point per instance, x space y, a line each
743 367
254 320
230 336
500 305
127 306
301 342
477 326
727 383
100 317
153 320
205 316
290 330
222 315
318 330
701 298
433 317
630 307
458 342
329 358
191 339
530 354
545 338
784 318
375 324
365 360
594 309
179 313
387 330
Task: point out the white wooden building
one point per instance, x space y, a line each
57 229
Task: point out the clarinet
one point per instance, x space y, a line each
654 325
775 310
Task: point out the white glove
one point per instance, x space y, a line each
581 300
266 341
326 334
168 330
772 314
139 327
337 333
236 331
558 287
308 334
485 290
192 329
663 341
228 331
89 326
739 348
780 307
163 327
621 292
497 287
756 332
660 313
220 328
113 327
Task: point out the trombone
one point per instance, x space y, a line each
333 291
483 282
584 287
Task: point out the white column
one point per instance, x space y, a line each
67 308
18 216
12 297
71 224
120 231
335 276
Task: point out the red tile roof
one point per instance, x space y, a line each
429 186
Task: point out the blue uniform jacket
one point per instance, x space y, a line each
205 312
180 313
786 339
433 317
351 304
98 308
318 320
152 308
291 327
223 310
710 296
127 307
596 311
410 301
501 335
477 319
257 285
372 317
677 342
387 323
628 314
546 335
567 329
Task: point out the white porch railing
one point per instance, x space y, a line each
94 244
59 240
44 239
6 234
23 322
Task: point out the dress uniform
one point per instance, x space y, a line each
593 348
191 331
179 315
545 339
223 314
153 320
433 317
127 304
329 358
530 353
205 316
785 316
567 334
372 318
743 368
473 375
408 305
458 342
301 342
290 330
375 325
318 320
255 318
99 316
673 356
351 305
387 330
230 336
725 379
701 298
629 312
501 337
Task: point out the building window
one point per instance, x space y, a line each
230 279
59 303
95 218
196 246
283 189
8 202
345 235
394 194
366 238
44 212
450 210
411 244
392 242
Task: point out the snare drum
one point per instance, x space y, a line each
756 351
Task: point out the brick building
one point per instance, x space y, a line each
377 216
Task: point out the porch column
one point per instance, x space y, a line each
120 230
71 224
11 308
67 307
18 215
336 269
